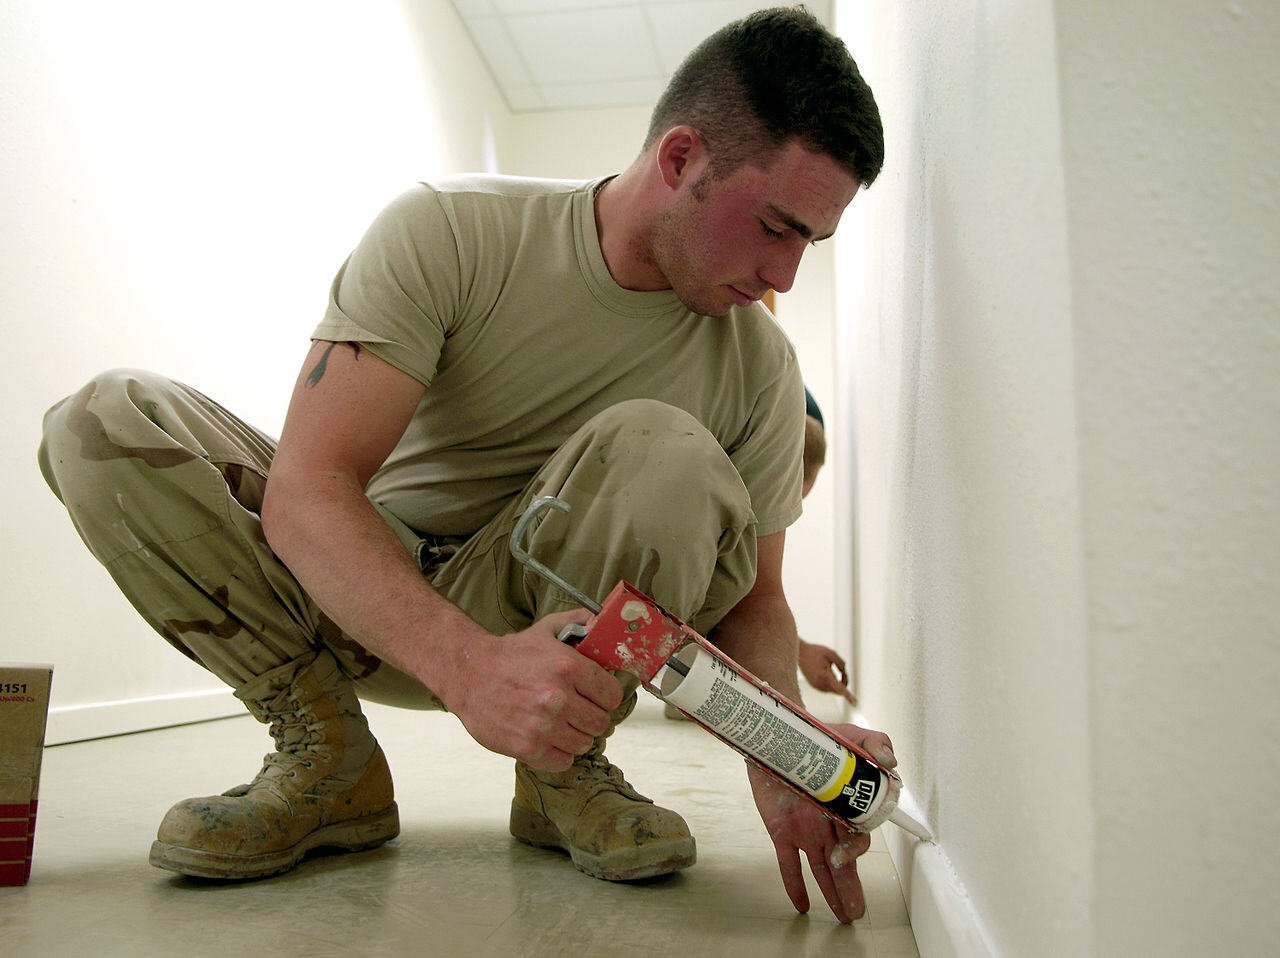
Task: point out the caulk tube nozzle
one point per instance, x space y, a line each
909 824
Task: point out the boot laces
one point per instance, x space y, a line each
594 773
299 738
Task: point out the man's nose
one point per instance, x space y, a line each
780 271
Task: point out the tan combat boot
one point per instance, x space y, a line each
327 786
609 829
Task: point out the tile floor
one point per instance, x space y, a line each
453 883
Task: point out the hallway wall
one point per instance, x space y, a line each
178 185
972 606
1171 119
1063 367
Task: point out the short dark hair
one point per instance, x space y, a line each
773 76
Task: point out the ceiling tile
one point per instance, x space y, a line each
573 54
475 8
679 27
525 99
550 6
585 47
494 42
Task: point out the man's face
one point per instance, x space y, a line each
724 242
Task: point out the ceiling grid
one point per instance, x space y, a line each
592 54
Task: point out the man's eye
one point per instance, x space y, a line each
770 231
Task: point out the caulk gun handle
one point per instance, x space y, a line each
572 634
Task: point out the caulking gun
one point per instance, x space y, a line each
630 632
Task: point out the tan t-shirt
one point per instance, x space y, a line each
492 291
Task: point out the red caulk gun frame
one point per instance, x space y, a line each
630 632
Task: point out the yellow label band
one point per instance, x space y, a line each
842 779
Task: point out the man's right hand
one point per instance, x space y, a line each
525 695
530 696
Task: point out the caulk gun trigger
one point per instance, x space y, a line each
572 634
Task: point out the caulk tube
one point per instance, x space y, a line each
729 703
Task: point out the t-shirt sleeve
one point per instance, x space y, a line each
768 455
398 292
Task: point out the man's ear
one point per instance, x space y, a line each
681 156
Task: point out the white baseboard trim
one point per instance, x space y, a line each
942 915
78 723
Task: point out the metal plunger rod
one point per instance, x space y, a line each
522 555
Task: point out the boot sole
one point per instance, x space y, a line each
356 835
626 864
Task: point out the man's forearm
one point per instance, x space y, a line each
760 634
358 572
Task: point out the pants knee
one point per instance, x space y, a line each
659 452
655 500
112 417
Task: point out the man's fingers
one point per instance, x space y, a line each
848 848
600 686
575 740
875 744
793 877
826 682
589 679
884 755
556 621
835 869
848 888
551 760
833 890
587 718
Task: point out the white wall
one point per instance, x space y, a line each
1171 124
178 184
1063 367
971 608
572 144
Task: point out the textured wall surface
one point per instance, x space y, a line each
972 615
178 185
1171 121
1065 375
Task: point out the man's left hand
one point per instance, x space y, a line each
796 825
824 669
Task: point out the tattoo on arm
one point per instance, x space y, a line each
317 373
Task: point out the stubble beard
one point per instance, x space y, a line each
677 249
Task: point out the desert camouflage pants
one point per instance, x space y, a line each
165 487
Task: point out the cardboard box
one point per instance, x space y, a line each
24 710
